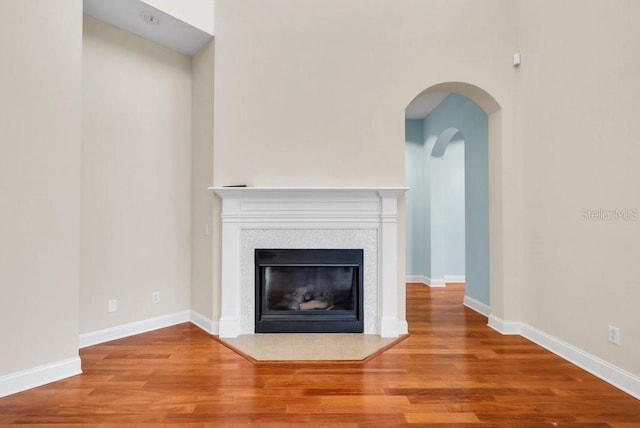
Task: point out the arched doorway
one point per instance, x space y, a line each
467 115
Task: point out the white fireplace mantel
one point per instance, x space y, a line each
310 217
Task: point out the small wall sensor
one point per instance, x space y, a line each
517 59
150 18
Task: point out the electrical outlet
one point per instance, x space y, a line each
113 305
614 335
155 297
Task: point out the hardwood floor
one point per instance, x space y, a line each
452 371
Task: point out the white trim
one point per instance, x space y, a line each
504 327
204 323
616 376
41 375
422 279
125 330
38 376
621 379
418 278
267 210
270 192
476 305
402 327
437 282
393 327
454 279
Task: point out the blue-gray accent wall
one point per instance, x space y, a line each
418 209
456 111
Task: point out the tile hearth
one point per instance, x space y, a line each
309 346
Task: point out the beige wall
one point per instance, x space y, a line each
40 79
136 178
313 94
579 92
302 89
324 84
201 178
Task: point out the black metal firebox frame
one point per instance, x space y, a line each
330 321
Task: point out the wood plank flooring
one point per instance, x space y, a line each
453 371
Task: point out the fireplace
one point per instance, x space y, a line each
309 290
310 218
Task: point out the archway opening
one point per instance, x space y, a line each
463 118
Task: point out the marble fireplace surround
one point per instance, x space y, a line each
310 217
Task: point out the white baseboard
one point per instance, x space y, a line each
42 375
403 327
204 323
418 278
393 327
621 379
435 282
476 305
504 327
38 376
125 330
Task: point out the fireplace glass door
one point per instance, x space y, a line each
307 290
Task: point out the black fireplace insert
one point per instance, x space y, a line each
309 291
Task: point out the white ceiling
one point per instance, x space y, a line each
129 15
423 104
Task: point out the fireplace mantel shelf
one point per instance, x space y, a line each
249 192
